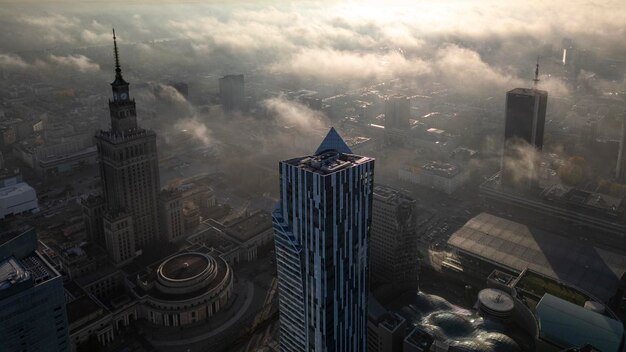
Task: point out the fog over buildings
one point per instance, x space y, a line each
173 242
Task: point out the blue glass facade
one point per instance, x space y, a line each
322 225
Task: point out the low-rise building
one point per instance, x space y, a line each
385 330
445 177
17 199
186 288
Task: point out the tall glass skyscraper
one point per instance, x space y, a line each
523 133
322 225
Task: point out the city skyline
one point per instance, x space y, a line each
229 201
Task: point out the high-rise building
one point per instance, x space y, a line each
171 214
322 225
32 299
397 114
620 170
523 136
129 166
397 111
232 93
119 234
393 240
93 210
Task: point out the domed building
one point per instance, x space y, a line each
186 288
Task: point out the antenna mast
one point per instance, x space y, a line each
536 80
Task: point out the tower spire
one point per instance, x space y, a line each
118 69
536 80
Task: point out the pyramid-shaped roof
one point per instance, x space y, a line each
333 141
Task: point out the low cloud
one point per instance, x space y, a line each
291 113
11 60
78 62
196 129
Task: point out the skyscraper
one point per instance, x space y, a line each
393 243
232 93
129 169
397 114
523 136
397 111
32 299
620 170
322 224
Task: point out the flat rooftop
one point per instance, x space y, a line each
517 247
527 91
420 338
328 162
249 227
391 195
442 169
15 190
12 273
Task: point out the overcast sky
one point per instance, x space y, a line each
472 44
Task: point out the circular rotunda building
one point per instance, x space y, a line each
186 288
495 303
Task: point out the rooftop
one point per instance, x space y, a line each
248 227
391 195
581 198
527 91
420 338
12 273
569 325
185 266
516 246
392 321
328 162
15 190
216 266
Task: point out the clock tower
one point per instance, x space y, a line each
122 107
129 169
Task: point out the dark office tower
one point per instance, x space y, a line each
393 243
32 299
129 169
397 111
397 114
620 174
93 212
232 93
523 136
322 224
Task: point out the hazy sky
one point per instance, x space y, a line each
470 44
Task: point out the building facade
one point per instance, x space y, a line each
523 136
322 225
445 177
232 93
93 212
397 115
171 215
17 199
32 302
620 170
129 165
393 243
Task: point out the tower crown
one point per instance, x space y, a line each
119 85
